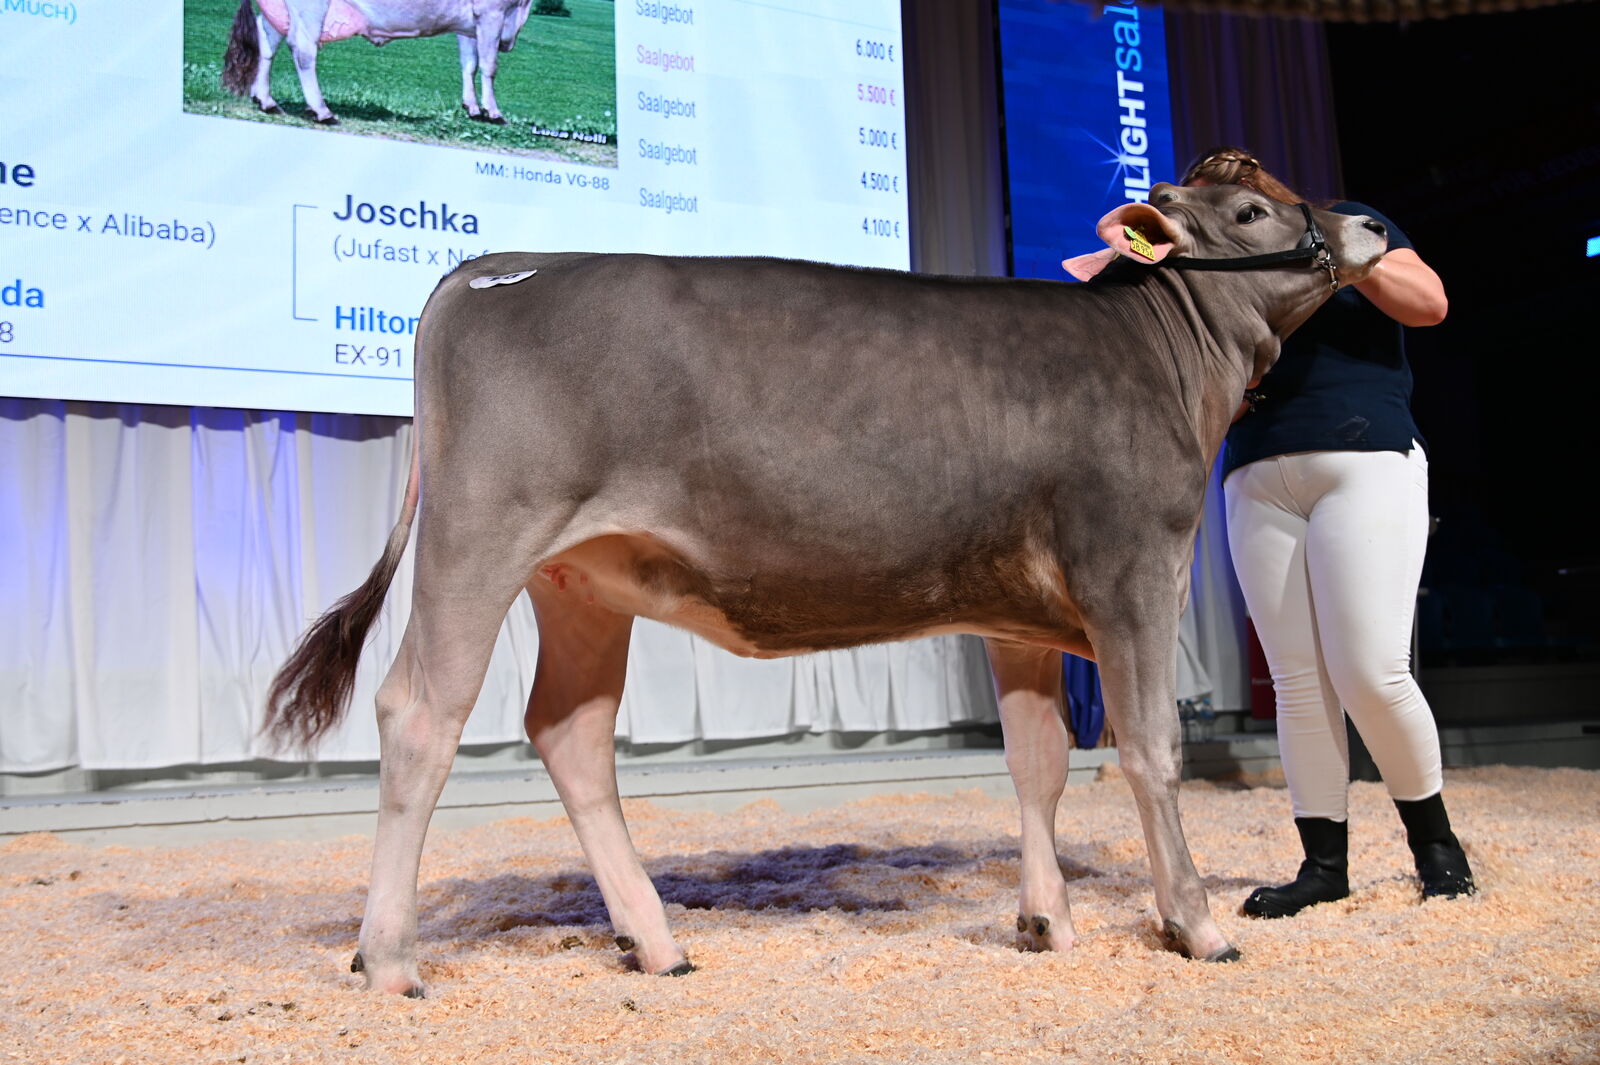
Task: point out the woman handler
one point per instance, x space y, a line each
1326 484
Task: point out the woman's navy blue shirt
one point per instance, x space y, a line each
1342 382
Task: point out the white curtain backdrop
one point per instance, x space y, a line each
156 564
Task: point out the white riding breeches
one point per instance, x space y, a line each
1328 548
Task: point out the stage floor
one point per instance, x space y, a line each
876 931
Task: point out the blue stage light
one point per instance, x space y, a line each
1594 247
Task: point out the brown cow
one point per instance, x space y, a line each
784 457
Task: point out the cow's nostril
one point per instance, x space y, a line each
1375 225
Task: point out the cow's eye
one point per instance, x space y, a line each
1248 213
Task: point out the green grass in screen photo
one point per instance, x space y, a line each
561 76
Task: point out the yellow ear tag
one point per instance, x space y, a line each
1137 242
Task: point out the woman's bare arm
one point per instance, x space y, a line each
1406 289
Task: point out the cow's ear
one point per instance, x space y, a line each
1140 232
1083 267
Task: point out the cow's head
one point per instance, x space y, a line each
1228 222
1204 232
516 17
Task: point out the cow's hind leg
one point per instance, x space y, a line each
268 40
572 721
466 579
1138 667
306 19
1028 681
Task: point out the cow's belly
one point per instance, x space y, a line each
379 21
342 20
768 616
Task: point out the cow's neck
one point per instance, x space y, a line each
1238 321
1219 338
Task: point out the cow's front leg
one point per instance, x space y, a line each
1028 682
469 70
489 25
1138 667
572 721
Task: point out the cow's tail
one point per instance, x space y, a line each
244 52
311 693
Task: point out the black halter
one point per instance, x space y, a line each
1313 248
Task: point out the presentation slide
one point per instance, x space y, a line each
1088 122
234 204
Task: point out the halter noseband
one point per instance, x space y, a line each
1313 247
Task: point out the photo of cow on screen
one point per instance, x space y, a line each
555 98
261 25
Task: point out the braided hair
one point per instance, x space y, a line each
1228 165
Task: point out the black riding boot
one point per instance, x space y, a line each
1324 875
1441 863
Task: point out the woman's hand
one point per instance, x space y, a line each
1406 289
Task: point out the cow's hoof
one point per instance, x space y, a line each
477 116
1172 937
496 120
328 120
268 109
402 985
1034 935
628 945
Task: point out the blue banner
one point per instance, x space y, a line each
1088 122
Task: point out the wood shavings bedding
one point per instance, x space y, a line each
880 931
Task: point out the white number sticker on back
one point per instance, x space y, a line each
501 279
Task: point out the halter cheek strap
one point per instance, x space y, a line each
1312 248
